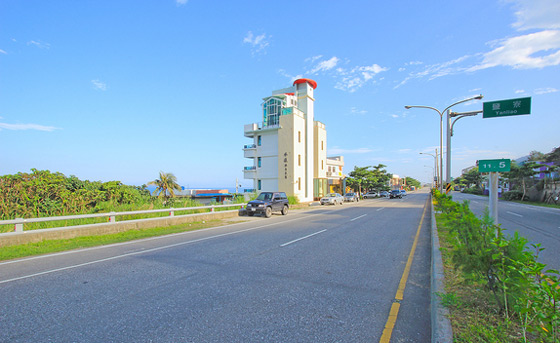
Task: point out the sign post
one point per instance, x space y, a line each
494 167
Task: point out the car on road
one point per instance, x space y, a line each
395 193
268 202
351 197
403 192
332 199
371 195
384 194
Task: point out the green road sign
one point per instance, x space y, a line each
488 166
506 108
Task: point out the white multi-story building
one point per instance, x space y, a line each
289 149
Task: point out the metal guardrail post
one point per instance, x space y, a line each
112 218
19 225
171 212
212 209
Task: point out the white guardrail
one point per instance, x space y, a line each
19 222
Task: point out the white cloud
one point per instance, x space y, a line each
520 91
18 127
98 85
258 43
537 14
404 151
181 2
358 76
540 91
520 52
39 44
325 65
356 111
291 77
3 52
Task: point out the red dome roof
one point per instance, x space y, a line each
311 82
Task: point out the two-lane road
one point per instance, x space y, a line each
327 274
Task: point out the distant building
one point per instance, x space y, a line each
289 148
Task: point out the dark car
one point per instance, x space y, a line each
395 193
268 202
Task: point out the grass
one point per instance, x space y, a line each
52 246
473 312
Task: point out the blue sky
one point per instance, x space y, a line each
119 90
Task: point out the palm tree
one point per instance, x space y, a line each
166 185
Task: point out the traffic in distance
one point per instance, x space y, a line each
267 203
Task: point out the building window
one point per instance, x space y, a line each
259 185
259 162
299 160
272 110
259 140
299 183
322 148
299 136
322 165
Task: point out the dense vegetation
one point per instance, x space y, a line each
369 178
42 193
496 289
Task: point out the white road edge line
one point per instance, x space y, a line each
515 214
299 239
363 215
379 209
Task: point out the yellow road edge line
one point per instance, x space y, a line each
393 314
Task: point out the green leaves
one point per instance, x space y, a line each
523 289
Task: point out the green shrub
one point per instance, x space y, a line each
523 289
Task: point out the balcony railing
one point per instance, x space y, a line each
250 146
252 168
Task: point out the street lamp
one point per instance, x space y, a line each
436 177
478 97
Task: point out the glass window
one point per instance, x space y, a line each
259 162
259 140
259 184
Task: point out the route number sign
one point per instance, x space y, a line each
506 108
489 166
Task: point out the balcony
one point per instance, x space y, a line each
250 172
250 151
249 130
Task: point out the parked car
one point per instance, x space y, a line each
371 195
395 193
403 192
332 199
268 202
351 197
384 194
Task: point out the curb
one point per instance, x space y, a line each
441 326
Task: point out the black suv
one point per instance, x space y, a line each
395 193
268 202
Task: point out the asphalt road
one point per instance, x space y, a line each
537 224
327 274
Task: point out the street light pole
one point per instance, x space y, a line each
450 134
436 177
478 97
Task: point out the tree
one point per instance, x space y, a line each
370 177
473 177
412 182
166 185
522 173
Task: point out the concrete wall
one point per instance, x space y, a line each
15 238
